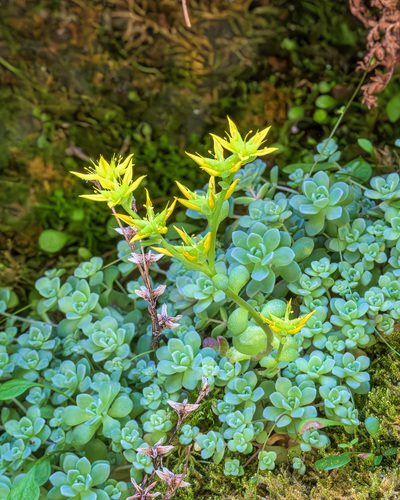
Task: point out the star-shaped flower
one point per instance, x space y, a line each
182 409
145 294
172 480
143 493
166 321
149 257
158 450
285 326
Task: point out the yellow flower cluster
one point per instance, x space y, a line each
113 181
113 184
193 249
244 151
153 224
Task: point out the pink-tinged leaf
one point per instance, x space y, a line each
316 423
365 455
223 346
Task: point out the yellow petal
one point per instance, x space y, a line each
103 168
260 136
125 218
94 197
136 183
185 191
207 243
183 235
233 129
238 165
223 143
128 175
187 204
190 257
231 189
162 250
210 171
266 151
121 167
218 149
107 184
198 159
87 177
170 209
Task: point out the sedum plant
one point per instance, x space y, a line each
252 331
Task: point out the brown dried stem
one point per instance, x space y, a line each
144 272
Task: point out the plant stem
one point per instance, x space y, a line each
213 223
338 122
26 320
254 314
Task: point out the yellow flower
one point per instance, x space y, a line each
115 179
245 149
243 152
285 326
193 248
153 224
204 203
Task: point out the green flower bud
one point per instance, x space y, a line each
276 307
252 341
238 277
238 321
220 281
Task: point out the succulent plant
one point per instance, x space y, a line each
181 361
102 409
212 445
267 460
90 270
31 428
243 389
77 307
265 253
350 369
386 188
233 468
188 434
313 439
80 479
291 401
322 202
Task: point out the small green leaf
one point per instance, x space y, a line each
366 145
378 460
14 388
372 425
391 451
42 471
329 463
305 167
29 485
52 241
320 116
296 113
325 102
393 108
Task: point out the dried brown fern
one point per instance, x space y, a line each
383 44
